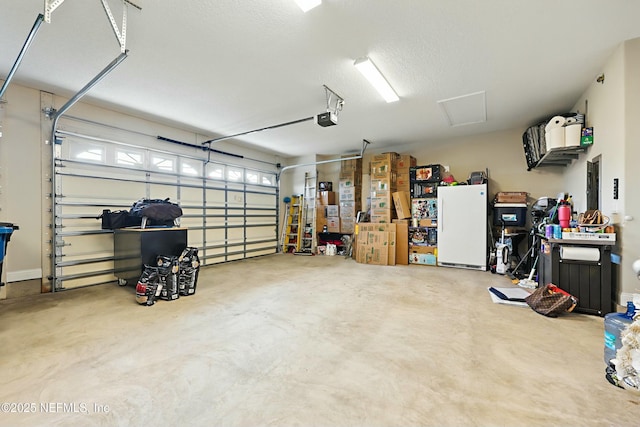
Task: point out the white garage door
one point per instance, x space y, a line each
229 209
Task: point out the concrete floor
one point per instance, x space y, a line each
291 340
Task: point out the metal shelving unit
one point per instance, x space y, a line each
561 156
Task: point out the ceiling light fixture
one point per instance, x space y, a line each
307 5
377 80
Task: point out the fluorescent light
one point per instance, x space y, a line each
307 5
377 80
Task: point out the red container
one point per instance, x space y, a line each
564 215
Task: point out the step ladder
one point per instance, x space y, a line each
293 234
309 238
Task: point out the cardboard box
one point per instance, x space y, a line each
424 208
376 255
385 184
403 186
347 225
381 193
402 204
333 224
402 241
348 183
404 162
428 222
355 176
423 249
424 259
381 168
511 197
376 247
349 209
368 226
424 189
327 198
352 165
384 211
428 173
381 203
390 157
332 211
351 194
423 236
382 219
320 223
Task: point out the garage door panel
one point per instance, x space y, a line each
228 210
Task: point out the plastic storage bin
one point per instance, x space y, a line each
510 214
6 230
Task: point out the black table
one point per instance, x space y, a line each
133 248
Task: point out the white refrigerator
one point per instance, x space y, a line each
462 226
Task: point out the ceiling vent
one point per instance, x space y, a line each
465 109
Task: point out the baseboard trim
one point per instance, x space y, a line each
18 276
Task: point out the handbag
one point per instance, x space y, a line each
551 301
590 217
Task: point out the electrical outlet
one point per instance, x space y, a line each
636 300
615 188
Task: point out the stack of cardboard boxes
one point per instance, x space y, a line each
325 207
383 185
403 165
350 194
384 241
376 244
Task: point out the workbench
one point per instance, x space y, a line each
133 248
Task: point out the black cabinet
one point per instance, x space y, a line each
133 248
589 281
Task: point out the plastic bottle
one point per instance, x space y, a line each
564 215
614 324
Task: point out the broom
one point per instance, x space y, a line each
529 282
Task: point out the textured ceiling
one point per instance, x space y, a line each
228 66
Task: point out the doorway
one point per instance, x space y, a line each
593 184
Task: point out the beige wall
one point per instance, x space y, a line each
613 111
501 153
20 182
606 115
630 224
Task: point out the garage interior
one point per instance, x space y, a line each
229 109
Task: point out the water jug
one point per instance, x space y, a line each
614 324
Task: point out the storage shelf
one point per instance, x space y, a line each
561 156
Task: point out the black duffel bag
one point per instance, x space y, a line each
156 209
118 219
